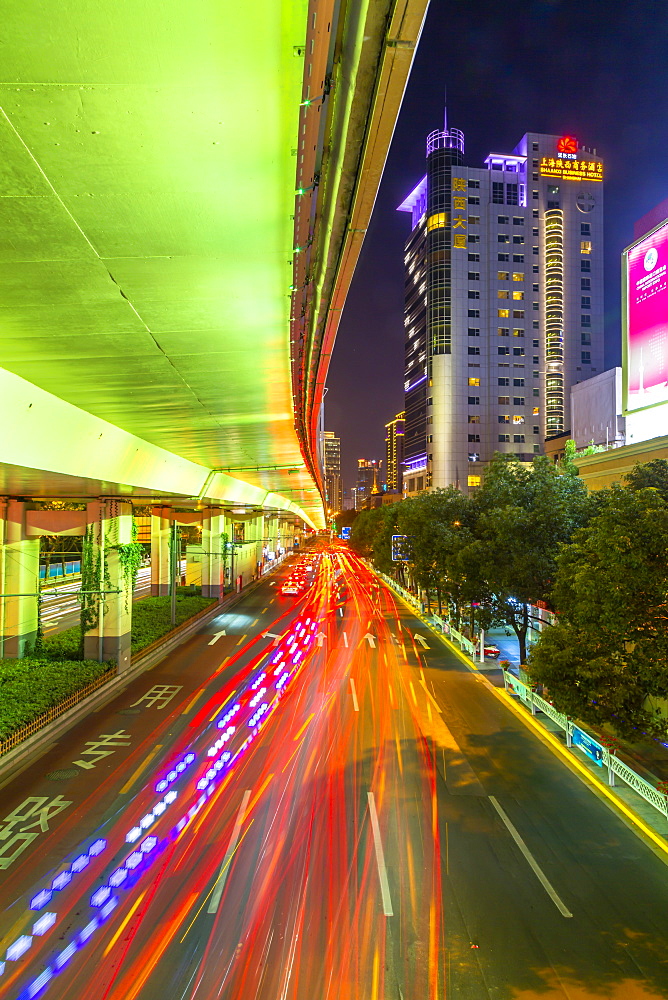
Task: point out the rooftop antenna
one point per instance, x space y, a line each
445 108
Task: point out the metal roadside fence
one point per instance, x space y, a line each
588 744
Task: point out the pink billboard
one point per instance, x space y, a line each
647 321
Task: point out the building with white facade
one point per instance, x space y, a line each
503 302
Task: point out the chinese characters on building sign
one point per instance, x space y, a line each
458 213
570 169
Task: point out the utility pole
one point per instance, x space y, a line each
175 567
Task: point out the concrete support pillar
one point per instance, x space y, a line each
213 555
160 535
19 581
110 528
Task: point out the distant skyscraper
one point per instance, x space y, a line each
333 482
368 480
394 453
504 302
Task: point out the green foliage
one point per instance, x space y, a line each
654 474
371 535
609 649
344 519
28 688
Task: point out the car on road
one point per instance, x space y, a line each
491 652
291 587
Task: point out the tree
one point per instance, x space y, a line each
371 535
609 648
654 473
523 516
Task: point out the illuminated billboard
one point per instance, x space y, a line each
567 167
646 321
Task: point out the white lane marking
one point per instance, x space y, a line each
380 857
345 640
371 640
533 864
354 694
421 640
217 636
217 893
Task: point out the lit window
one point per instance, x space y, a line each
503 313
518 276
504 418
474 381
474 418
474 481
585 246
536 411
518 333
437 221
518 295
518 419
503 293
503 275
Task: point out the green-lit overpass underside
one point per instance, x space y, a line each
150 154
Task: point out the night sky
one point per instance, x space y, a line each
597 69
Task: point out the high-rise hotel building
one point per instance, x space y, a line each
503 302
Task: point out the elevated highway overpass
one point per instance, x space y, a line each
184 190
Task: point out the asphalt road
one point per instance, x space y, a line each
386 828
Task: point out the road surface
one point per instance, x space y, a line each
323 802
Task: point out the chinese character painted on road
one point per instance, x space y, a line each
35 811
119 739
159 694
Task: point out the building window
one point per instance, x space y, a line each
517 332
585 265
504 437
503 257
503 331
474 293
585 246
503 275
503 220
585 338
518 419
474 314
474 381
504 400
474 275
503 313
474 350
474 400
474 418
518 400
534 195
474 184
511 194
518 296
474 220
474 199
474 331
585 229
473 438
504 381
474 238
503 293
536 392
585 302
534 268
518 313
585 319
518 438
503 350
534 146
518 352
536 449
518 276
518 239
497 192
503 238
534 251
535 306
518 258
536 430
585 283
518 220
534 287
503 418
585 358
535 325
474 257
518 383
474 481
534 213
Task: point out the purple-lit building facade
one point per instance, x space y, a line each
503 303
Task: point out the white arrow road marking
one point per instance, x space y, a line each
229 853
217 636
354 694
320 636
533 864
272 635
372 641
421 640
345 640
